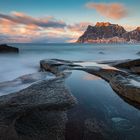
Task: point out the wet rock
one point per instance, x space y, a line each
124 87
132 65
4 48
35 125
122 124
37 112
101 53
138 53
51 94
96 129
24 82
94 126
121 80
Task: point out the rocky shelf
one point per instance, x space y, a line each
39 108
123 76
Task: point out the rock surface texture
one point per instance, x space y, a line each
122 75
36 112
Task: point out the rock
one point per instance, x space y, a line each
124 83
105 32
51 94
132 65
23 82
122 124
37 112
101 53
132 36
138 53
96 129
35 125
4 48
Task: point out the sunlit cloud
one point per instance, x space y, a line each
109 10
32 29
79 27
21 18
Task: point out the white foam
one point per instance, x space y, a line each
135 83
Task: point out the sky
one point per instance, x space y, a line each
57 21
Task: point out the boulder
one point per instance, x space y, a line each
4 48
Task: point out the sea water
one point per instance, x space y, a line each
27 61
100 112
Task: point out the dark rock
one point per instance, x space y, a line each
37 112
138 53
132 65
51 94
101 53
4 48
122 124
102 33
35 125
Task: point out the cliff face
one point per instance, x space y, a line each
108 33
133 36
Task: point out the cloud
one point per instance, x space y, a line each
79 27
111 10
21 18
20 27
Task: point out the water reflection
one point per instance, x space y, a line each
101 113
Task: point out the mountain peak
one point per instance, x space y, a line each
99 24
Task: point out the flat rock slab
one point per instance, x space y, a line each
37 112
117 73
51 94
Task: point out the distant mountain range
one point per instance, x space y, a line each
105 32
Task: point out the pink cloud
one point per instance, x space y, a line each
111 10
21 18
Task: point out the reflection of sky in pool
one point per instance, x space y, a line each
100 112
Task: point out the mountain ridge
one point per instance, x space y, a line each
105 32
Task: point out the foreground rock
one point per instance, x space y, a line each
23 82
37 112
131 65
122 81
51 94
4 48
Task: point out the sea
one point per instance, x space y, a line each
100 113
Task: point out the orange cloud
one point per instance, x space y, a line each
111 10
25 28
